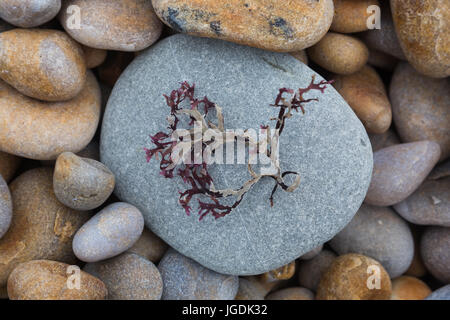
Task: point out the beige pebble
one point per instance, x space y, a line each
351 15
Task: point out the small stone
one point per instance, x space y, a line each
269 25
420 107
295 293
399 170
301 56
351 16
311 254
311 271
440 294
422 28
149 246
250 289
339 53
351 277
272 279
123 25
29 13
42 130
428 205
109 233
434 248
409 288
48 280
5 207
378 233
82 183
185 279
8 165
383 140
128 277
382 60
43 64
440 171
417 268
94 57
365 93
41 226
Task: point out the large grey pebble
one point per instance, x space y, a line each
378 233
185 279
128 277
29 13
435 250
5 207
110 232
399 170
442 293
328 146
310 272
311 254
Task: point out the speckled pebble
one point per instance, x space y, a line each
311 271
29 13
128 277
434 247
409 288
311 254
82 183
295 293
149 246
351 16
185 279
110 232
94 57
5 207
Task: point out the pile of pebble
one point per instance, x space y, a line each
59 62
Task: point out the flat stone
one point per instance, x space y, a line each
5 207
435 253
328 146
29 13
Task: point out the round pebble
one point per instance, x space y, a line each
382 60
8 165
29 13
339 53
295 293
354 277
5 207
434 247
123 25
399 170
311 271
82 183
149 246
365 93
42 130
250 289
94 57
185 279
110 232
440 294
128 277
409 288
351 16
269 25
43 64
41 226
377 232
49 280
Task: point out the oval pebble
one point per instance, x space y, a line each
29 13
42 64
149 246
311 271
82 183
48 280
42 131
5 207
295 293
185 279
128 277
110 232
434 247
94 57
409 288
399 170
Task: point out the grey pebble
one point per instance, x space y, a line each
442 293
310 272
29 13
435 250
5 207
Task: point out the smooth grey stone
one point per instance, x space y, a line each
29 13
185 279
328 146
311 254
440 294
110 232
435 251
5 207
378 233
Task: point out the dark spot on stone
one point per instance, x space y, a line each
363 142
279 27
275 65
246 5
215 26
173 21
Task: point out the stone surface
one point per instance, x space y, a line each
365 93
8 165
428 205
422 28
378 233
382 60
440 171
339 53
39 130
434 247
110 232
149 246
41 227
347 279
124 25
409 288
185 279
269 24
94 57
300 55
420 107
417 268
383 140
82 183
250 289
311 254
351 16
43 64
440 294
128 277
310 272
295 293
332 158
5 207
399 170
48 280
29 13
